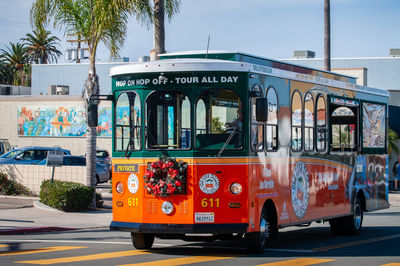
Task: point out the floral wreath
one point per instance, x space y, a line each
165 177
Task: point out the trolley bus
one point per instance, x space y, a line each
231 145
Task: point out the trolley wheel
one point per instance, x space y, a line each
349 225
142 241
257 241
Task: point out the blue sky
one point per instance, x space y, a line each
269 28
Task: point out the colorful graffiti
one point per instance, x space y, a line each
61 121
374 125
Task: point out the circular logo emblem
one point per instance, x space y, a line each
133 183
300 189
209 183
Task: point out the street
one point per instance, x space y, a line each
377 245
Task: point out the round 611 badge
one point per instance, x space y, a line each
133 183
209 183
300 189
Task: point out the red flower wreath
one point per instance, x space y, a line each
165 177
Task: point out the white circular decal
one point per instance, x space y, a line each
209 183
133 183
300 189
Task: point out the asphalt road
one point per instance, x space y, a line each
379 244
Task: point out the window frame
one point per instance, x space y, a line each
313 123
276 148
370 150
325 128
130 126
257 88
301 123
145 122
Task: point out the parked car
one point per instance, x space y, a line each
102 174
104 157
28 155
4 146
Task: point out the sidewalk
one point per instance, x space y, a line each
22 215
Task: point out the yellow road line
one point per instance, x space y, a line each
391 264
182 261
99 256
356 243
297 262
3 246
38 250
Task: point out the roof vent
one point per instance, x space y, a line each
303 54
395 52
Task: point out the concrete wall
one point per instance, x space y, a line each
9 130
32 176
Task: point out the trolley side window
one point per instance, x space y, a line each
272 122
344 124
308 122
321 123
127 122
257 128
374 127
167 120
219 121
297 121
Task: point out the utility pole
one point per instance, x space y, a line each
327 38
75 38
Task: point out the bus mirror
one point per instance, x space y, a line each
262 109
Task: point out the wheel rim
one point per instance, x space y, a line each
357 216
264 230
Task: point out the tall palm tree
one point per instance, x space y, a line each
42 46
327 38
95 21
6 73
15 57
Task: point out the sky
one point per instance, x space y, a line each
268 28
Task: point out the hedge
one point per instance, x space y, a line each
66 196
11 187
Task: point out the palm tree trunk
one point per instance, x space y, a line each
91 88
159 30
327 39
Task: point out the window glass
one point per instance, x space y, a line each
297 116
321 123
308 122
257 132
128 121
344 128
272 123
374 125
219 120
168 120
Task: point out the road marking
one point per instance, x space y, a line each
38 250
182 261
356 243
391 264
3 246
297 262
65 241
99 256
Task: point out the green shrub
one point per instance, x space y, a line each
11 187
66 196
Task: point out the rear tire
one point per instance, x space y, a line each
142 241
257 241
349 225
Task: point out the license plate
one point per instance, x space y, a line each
204 217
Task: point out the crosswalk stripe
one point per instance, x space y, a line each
182 261
38 250
297 262
99 256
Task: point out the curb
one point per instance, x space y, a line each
32 230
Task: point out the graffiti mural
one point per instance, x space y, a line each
374 125
61 121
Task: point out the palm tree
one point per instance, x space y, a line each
6 73
16 59
327 39
393 139
96 21
42 46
